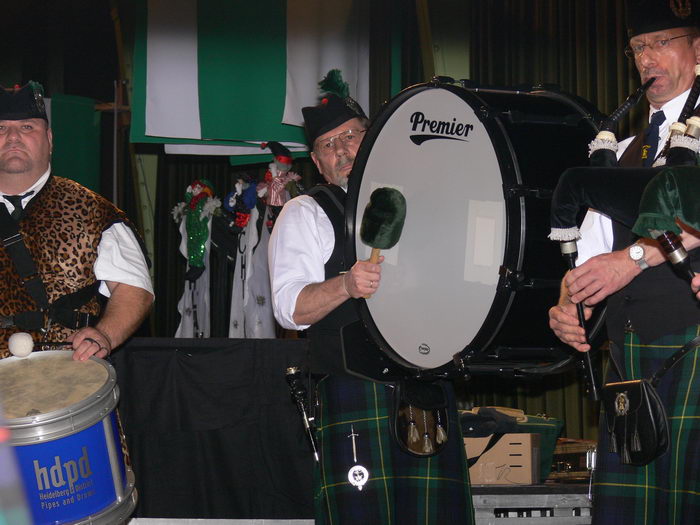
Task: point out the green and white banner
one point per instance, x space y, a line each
75 124
220 77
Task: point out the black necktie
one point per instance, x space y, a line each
651 139
16 201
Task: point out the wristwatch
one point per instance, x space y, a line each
636 253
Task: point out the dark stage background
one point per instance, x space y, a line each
211 428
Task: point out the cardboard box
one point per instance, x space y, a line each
513 460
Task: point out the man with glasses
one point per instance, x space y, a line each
651 312
363 476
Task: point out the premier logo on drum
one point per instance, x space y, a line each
439 129
60 474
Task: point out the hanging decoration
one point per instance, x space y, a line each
194 216
280 183
239 203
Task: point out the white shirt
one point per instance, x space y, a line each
301 243
596 229
119 255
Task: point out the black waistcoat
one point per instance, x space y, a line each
326 356
657 301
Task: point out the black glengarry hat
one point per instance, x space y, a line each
23 102
648 16
336 107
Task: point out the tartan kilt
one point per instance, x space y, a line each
402 489
666 491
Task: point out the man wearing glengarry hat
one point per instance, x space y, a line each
67 244
363 475
651 312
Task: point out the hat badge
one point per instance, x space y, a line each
681 8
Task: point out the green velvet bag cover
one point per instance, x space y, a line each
672 193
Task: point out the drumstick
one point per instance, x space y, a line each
383 221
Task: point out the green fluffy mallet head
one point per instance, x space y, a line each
383 220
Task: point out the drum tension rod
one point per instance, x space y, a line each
520 190
516 280
441 79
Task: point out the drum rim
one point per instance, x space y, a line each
27 430
507 164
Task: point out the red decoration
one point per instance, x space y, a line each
241 219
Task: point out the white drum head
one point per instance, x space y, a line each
435 150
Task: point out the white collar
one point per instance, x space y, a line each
672 109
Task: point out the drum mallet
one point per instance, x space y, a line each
383 221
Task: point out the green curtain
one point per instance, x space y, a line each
575 44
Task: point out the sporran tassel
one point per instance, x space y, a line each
427 444
613 443
625 452
636 444
413 436
440 434
626 455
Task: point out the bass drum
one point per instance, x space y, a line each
473 275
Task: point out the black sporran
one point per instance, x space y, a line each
419 420
635 416
636 421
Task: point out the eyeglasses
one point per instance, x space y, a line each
659 46
347 138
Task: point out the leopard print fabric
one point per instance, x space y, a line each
62 228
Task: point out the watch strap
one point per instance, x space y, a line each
642 263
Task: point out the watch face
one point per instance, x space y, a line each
636 252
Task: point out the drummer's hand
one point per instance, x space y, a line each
695 285
563 320
600 277
363 278
90 341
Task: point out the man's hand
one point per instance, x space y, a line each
563 320
316 300
363 278
90 341
126 308
695 285
600 277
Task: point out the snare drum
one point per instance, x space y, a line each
473 272
64 430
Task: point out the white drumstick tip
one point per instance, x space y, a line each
20 344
